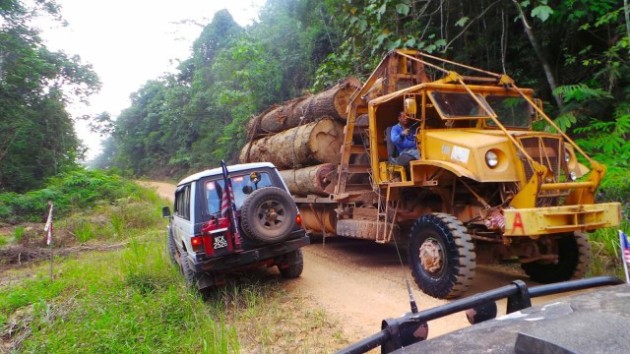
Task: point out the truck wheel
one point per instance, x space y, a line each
171 248
574 257
268 215
441 255
293 266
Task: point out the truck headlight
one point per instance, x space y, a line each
572 175
492 159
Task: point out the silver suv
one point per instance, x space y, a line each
203 239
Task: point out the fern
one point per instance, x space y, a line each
609 138
565 121
580 93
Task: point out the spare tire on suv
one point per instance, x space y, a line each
268 215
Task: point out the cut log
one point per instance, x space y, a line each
318 179
306 109
306 145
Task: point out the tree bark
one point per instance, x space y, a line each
306 109
318 179
311 144
539 53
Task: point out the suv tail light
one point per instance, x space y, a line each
196 242
298 219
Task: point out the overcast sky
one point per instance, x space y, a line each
131 41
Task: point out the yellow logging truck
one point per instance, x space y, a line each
485 187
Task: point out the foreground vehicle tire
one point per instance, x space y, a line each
268 215
574 256
441 255
293 266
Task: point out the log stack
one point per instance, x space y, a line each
302 138
299 111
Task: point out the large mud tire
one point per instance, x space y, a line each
441 255
574 257
268 215
293 265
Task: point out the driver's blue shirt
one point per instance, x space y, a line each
403 143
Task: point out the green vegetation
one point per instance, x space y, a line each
125 301
18 232
71 191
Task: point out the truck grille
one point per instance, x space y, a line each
547 151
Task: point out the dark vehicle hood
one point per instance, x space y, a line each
594 322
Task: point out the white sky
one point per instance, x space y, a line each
129 42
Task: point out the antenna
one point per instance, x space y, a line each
412 299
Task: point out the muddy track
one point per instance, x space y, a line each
360 283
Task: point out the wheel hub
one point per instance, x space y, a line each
431 256
272 215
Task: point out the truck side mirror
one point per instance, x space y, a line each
410 106
166 212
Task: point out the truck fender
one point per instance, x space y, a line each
457 170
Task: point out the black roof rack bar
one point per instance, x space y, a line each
517 293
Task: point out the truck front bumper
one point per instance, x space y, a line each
561 219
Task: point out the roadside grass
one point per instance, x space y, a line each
133 299
113 302
606 251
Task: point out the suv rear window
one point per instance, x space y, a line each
213 191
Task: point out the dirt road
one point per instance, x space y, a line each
360 283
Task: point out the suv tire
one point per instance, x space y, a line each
171 248
268 215
293 265
190 276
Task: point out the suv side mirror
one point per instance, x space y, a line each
166 212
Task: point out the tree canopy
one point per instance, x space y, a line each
574 53
37 137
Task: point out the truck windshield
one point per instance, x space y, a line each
512 111
213 191
453 105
